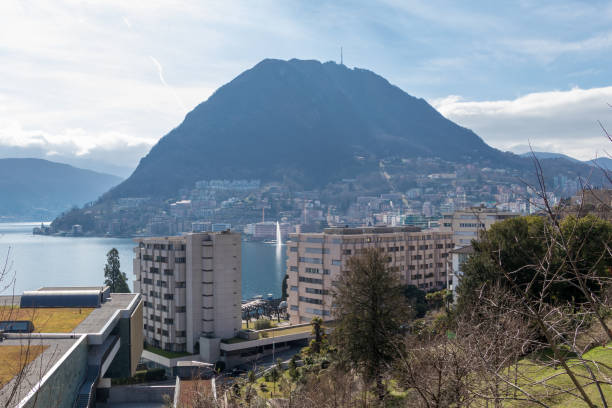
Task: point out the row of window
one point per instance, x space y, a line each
310 280
318 312
317 291
163 246
471 225
310 300
316 271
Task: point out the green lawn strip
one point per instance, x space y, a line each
531 371
164 353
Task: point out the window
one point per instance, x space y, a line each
293 268
294 288
317 250
168 296
162 259
336 262
162 283
310 260
294 308
168 321
314 240
346 252
180 285
181 309
153 270
311 300
310 280
318 312
168 272
179 260
293 249
147 281
317 291
181 333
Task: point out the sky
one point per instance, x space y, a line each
97 83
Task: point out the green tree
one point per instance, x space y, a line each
510 254
416 298
274 376
284 288
114 278
317 330
370 312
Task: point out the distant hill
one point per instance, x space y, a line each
303 122
548 155
41 189
603 162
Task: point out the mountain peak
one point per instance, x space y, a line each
304 122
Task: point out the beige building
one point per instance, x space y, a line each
466 224
315 261
191 287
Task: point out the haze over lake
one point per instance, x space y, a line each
40 260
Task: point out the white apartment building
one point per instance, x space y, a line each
315 261
466 224
191 288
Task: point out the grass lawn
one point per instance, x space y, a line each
14 358
601 365
164 353
283 331
48 320
289 330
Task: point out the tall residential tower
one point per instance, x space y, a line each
191 287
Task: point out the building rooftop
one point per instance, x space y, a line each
370 230
57 330
468 249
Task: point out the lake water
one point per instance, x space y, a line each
39 260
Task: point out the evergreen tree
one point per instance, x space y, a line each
284 288
114 278
370 311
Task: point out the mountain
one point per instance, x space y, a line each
306 123
549 155
41 189
603 162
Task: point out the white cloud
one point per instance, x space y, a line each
558 121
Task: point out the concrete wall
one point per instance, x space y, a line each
140 393
227 297
61 384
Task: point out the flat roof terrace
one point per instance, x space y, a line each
57 330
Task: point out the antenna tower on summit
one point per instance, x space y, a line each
341 58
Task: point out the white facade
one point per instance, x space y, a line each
191 287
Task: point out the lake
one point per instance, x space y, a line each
40 260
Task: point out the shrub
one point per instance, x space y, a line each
262 324
219 366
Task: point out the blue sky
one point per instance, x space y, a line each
97 83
